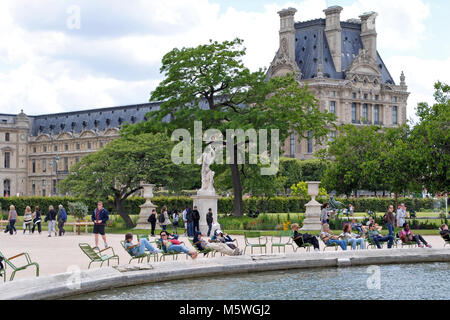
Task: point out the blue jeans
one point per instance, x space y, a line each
190 229
354 242
390 227
209 229
164 227
178 248
341 243
378 239
145 244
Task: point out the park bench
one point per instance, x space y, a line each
7 262
140 257
98 256
250 236
79 224
278 242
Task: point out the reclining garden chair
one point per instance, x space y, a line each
334 245
252 235
305 245
7 262
98 256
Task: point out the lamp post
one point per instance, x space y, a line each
54 164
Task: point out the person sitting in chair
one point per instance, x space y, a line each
174 245
357 226
374 234
352 238
329 238
138 249
202 244
300 239
444 232
406 236
223 238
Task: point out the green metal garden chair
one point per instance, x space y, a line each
250 236
98 256
15 268
278 242
140 257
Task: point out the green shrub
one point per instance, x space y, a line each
78 209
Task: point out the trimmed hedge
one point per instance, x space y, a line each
225 205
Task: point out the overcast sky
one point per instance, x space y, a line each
50 61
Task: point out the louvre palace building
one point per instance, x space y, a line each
337 59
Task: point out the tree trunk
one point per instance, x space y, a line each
396 201
237 188
125 216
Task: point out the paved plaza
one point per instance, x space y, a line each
61 254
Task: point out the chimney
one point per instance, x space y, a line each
333 32
369 34
287 32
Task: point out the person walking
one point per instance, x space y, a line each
99 217
175 219
27 220
50 218
324 214
61 218
152 220
163 218
196 218
389 219
12 218
190 222
37 220
209 220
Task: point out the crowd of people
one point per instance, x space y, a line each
32 220
353 233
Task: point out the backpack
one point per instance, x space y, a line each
161 218
385 218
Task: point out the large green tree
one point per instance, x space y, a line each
431 141
210 83
118 169
356 160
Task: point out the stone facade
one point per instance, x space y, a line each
340 64
36 152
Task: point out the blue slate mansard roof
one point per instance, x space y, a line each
100 119
311 46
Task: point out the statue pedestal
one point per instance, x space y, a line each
313 209
146 208
312 216
203 203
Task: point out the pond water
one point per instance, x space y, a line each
400 281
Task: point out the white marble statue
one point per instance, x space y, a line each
206 160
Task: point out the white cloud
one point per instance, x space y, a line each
115 57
